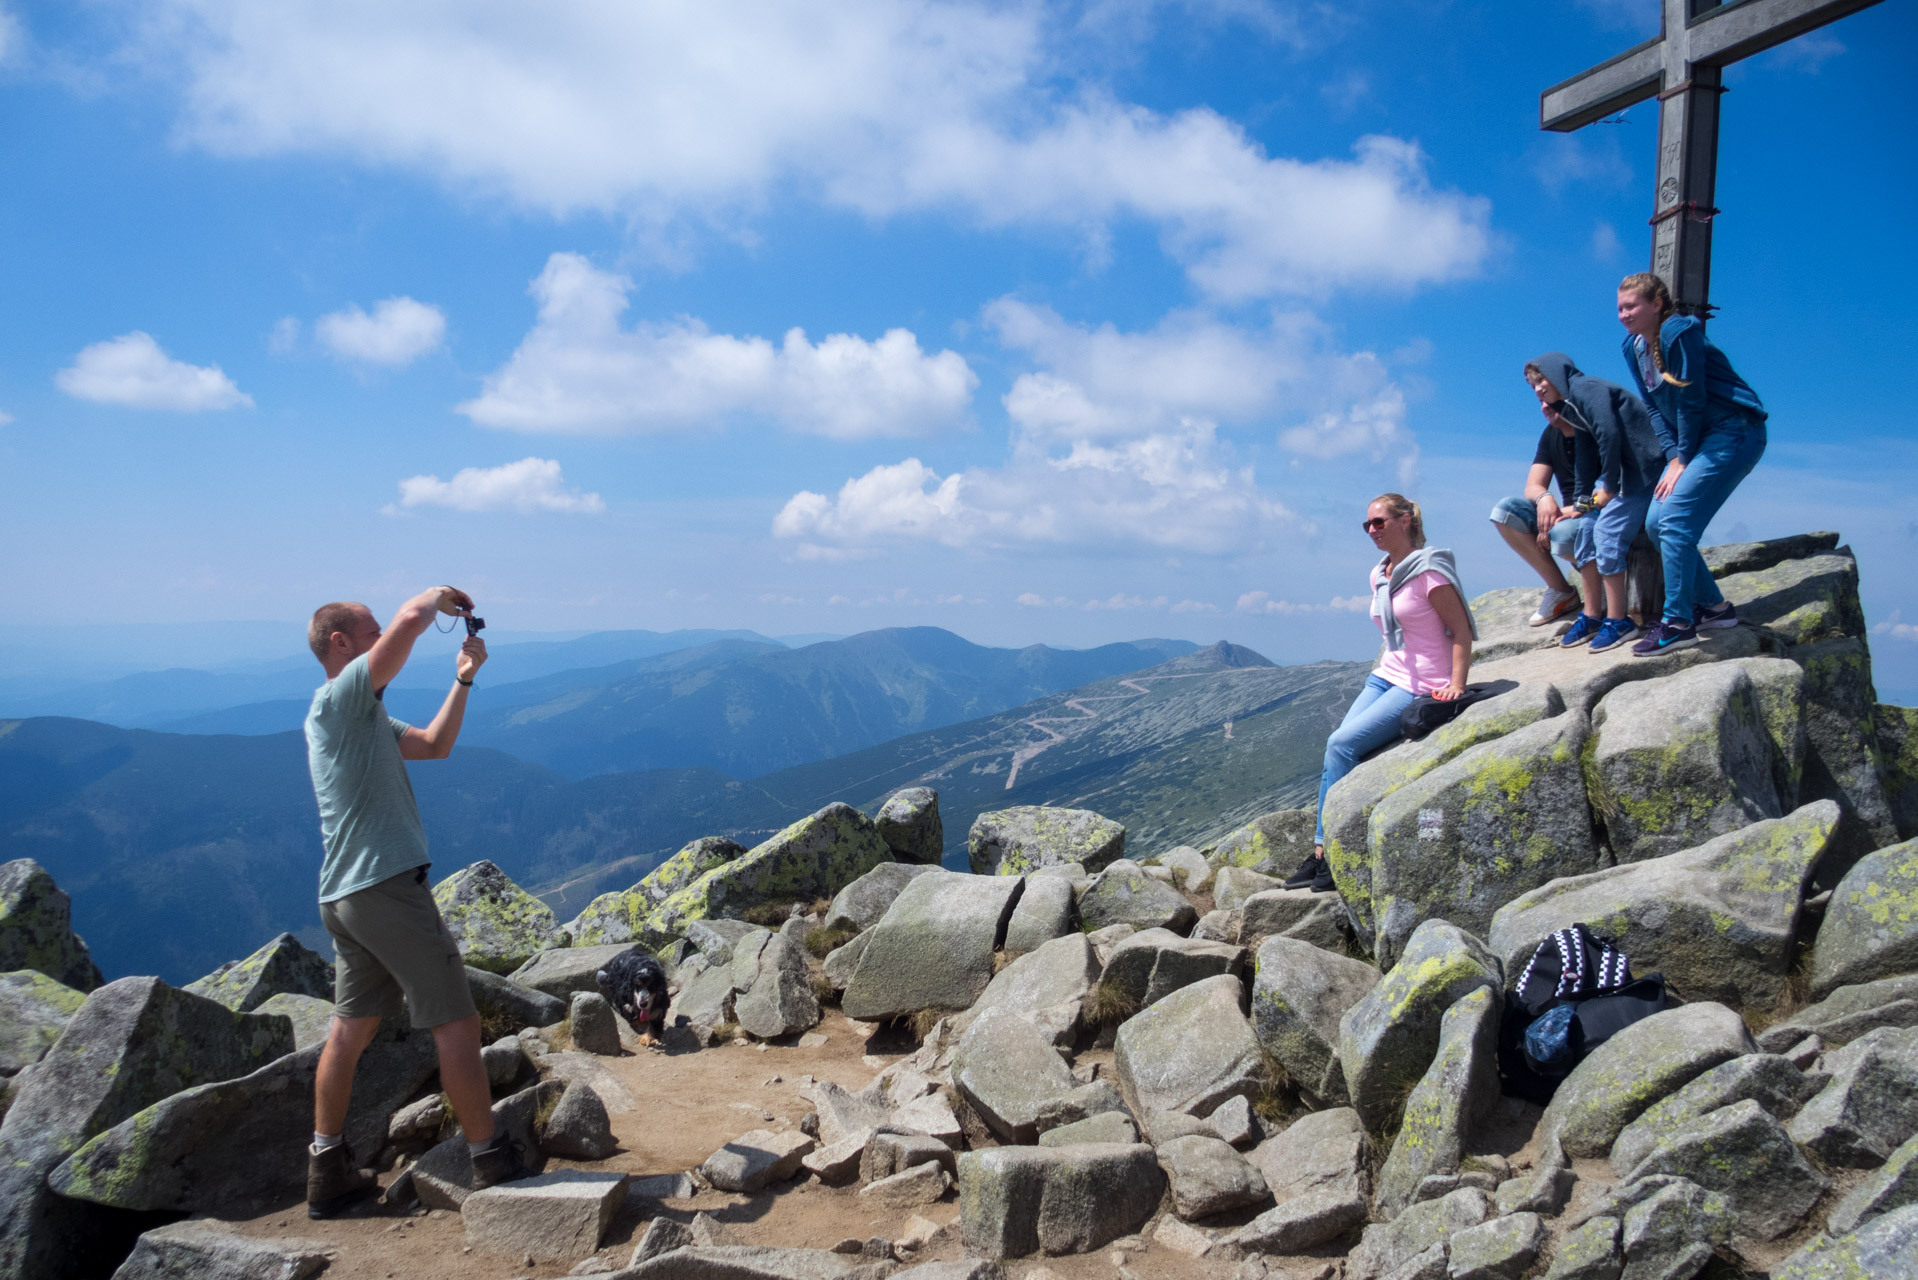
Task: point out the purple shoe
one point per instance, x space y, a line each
1715 617
1663 638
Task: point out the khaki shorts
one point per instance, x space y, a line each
391 943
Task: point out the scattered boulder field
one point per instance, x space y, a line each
1079 1047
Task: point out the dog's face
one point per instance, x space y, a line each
635 985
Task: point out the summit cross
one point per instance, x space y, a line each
1683 67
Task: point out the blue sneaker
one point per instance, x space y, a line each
1614 632
1583 628
1716 617
1665 637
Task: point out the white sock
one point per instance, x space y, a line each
321 1141
474 1148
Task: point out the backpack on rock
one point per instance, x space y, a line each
1575 994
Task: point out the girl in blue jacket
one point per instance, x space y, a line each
1712 426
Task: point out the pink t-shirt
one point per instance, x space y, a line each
1425 663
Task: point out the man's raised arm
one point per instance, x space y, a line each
395 645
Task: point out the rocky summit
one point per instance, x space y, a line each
1088 1045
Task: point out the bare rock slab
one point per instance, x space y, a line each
1018 1201
933 948
1300 993
1320 1150
579 1127
1008 1071
1124 894
1047 985
1189 1052
860 905
202 1251
555 1216
1047 909
753 1161
1502 1249
1870 1105
591 1021
910 1188
1208 1176
1153 963
1892 1186
1304 1221
1385 1247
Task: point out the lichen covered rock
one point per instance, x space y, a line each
815 857
283 966
498 925
909 824
1885 1248
1618 1081
1742 1153
1153 963
34 1010
1449 1102
1300 993
1871 925
1719 921
1124 894
1273 844
1898 764
36 928
1869 1106
1024 838
933 948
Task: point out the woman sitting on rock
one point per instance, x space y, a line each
1712 425
1419 605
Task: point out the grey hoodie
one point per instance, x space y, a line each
1437 559
1631 451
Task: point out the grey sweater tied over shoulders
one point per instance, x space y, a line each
1436 559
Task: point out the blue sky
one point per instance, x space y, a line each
1039 323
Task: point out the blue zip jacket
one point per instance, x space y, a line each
1631 455
1715 395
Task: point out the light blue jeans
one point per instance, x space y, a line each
1725 456
1614 527
1372 722
1572 539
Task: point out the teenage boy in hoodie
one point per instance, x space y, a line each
1631 457
1538 526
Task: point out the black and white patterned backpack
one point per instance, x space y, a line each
1576 993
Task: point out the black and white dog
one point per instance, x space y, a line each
635 985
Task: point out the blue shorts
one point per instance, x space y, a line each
1614 527
1573 539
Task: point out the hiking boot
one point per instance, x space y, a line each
333 1182
1322 881
1614 632
1584 627
1553 605
1663 638
1715 617
501 1160
1307 872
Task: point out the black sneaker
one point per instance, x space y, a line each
333 1182
1308 871
1716 618
1663 638
501 1160
1322 880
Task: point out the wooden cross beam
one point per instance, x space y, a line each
1683 68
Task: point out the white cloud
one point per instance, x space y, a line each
1033 600
1169 490
1261 602
1605 242
1123 603
664 112
12 38
132 370
578 370
1373 425
1895 628
285 337
1194 606
529 485
5 418
398 332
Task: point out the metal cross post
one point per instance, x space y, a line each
1683 68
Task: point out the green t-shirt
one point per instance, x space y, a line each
369 821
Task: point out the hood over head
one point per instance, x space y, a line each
1558 370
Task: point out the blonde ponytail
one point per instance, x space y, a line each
1653 289
1400 505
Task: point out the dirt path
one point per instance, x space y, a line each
689 1104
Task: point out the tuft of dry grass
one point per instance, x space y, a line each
819 907
1000 959
547 1106
823 990
1277 1100
725 1033
1107 1005
823 942
922 1021
768 915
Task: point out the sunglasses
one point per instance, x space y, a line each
1374 524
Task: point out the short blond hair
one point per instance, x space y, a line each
1400 505
328 618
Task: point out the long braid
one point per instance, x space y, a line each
1648 286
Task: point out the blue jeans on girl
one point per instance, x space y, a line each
1372 722
1725 456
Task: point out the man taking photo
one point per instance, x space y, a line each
387 932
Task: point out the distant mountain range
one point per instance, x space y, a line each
183 850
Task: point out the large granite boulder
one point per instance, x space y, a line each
34 1010
775 992
1678 761
498 925
815 857
1153 963
1047 987
203 1251
1300 993
909 824
1190 1052
1449 1103
1885 1248
1018 1201
1047 909
1897 729
1841 762
1273 844
1319 1151
1317 918
1892 1186
933 948
1349 805
561 972
242 1141
1742 1153
1802 599
1871 924
1870 1105
621 916
1024 838
133 1042
1468 837
1673 1227
1847 1013
1124 894
1430 1224
860 905
284 965
1645 1062
505 1005
36 928
1389 1037
1773 1082
1719 921
1728 558
1208 1177
1235 884
1009 1072
312 1017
